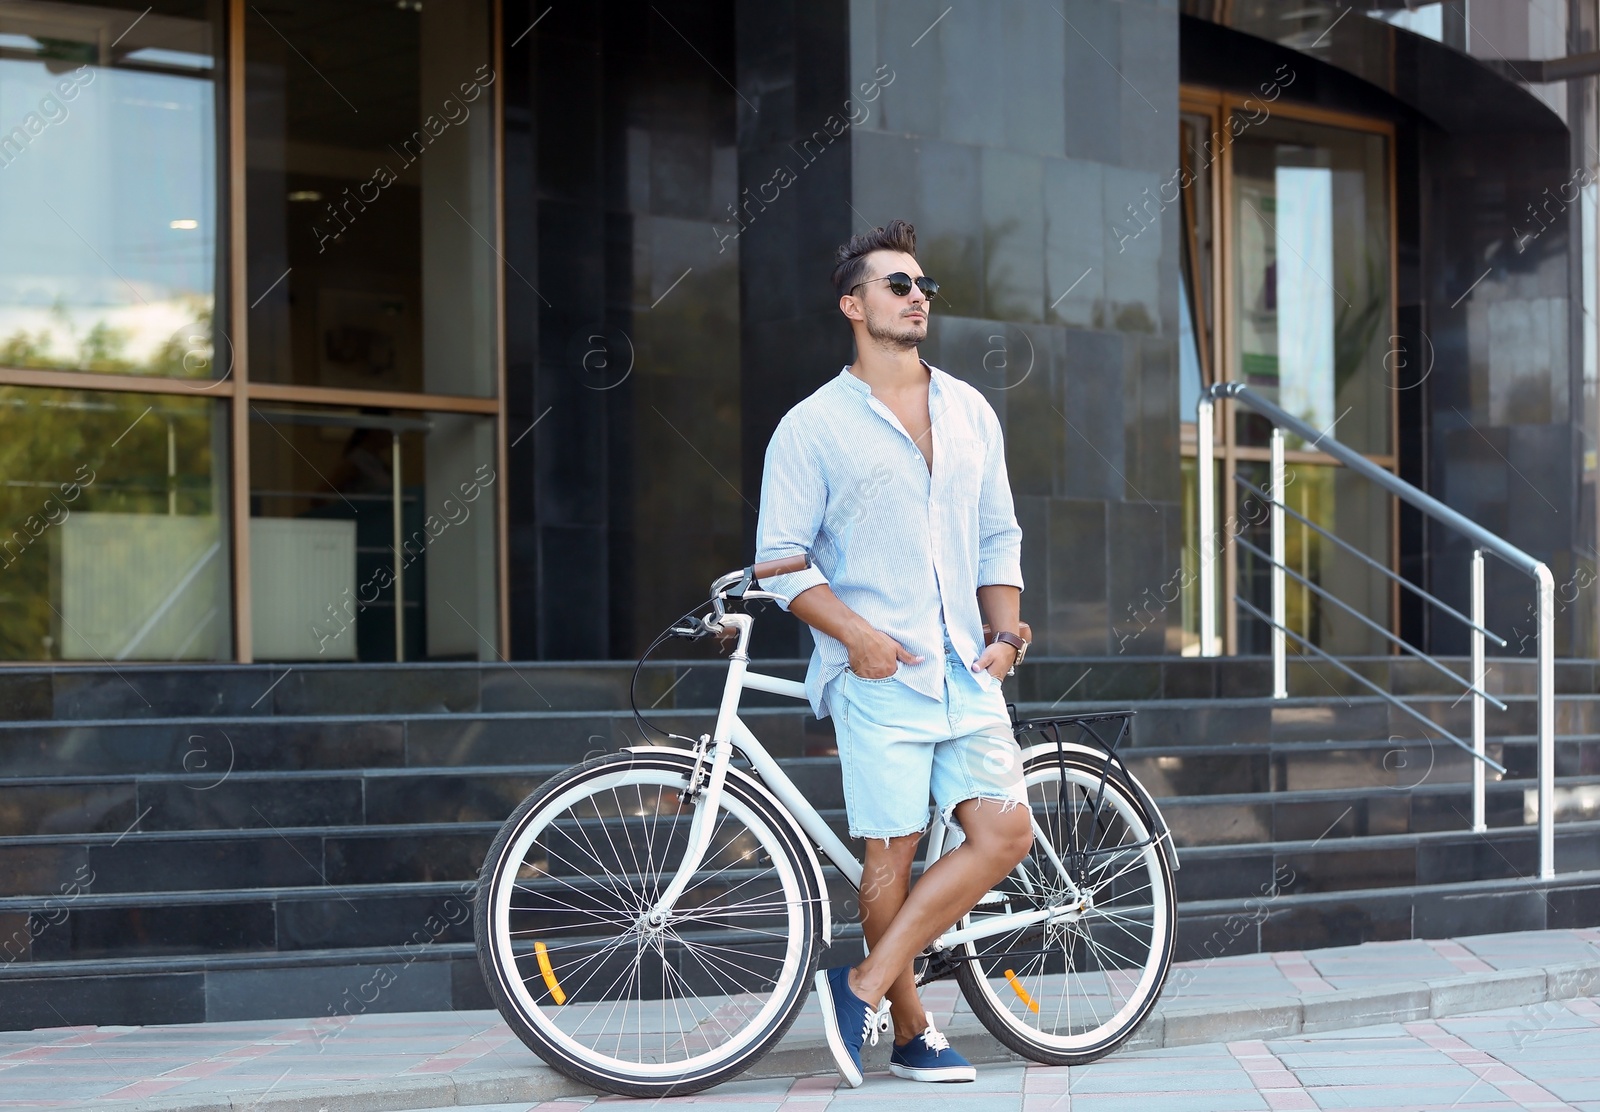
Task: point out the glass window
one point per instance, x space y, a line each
108 192
1344 504
1312 278
327 559
1189 374
1199 150
370 196
113 527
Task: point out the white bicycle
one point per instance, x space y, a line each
648 921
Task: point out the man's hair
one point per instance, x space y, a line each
850 261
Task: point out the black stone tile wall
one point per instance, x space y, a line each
1015 145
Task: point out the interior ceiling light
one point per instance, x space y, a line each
305 195
184 225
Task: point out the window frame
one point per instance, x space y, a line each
233 309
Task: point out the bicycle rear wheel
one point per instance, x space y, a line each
581 976
1072 989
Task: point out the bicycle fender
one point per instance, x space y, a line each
822 905
1146 800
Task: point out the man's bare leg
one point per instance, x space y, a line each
885 880
997 838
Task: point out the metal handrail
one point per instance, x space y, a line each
1484 759
1267 499
1323 592
1482 540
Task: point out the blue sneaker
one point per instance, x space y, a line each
928 1057
846 1020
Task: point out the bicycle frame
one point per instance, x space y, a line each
731 733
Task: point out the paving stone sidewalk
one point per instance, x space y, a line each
1514 1058
1256 1014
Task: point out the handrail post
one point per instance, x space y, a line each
398 509
1280 644
1547 721
1206 491
1479 821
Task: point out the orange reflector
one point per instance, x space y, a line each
1011 979
542 952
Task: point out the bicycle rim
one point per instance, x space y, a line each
1070 990
595 987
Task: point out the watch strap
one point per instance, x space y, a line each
1018 645
1006 637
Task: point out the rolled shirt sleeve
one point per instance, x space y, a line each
794 498
999 535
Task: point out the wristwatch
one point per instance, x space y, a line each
1006 637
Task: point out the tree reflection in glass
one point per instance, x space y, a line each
108 188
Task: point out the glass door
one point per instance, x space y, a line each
1305 269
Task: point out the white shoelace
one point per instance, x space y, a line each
935 1040
875 1023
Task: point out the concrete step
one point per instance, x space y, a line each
432 971
215 796
178 745
74 692
247 894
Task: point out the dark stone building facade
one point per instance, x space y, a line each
677 179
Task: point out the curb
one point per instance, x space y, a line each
1179 1024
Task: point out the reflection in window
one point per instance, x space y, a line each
331 550
1287 328
113 538
1195 329
371 196
1427 21
1189 376
109 267
1349 507
1312 276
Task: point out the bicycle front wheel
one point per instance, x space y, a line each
589 984
1073 988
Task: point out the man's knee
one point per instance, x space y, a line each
1000 830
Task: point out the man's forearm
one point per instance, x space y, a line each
1001 605
820 608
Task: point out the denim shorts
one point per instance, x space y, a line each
896 746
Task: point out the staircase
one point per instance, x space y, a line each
190 843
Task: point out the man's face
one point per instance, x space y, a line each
897 321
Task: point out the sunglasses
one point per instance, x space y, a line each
900 284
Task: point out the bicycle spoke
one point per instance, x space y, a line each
711 985
1093 975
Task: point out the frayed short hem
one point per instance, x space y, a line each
876 836
1007 803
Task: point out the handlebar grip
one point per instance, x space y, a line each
783 566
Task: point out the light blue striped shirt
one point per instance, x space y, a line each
904 549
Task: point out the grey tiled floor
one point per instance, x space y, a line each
1538 1057
1542 1056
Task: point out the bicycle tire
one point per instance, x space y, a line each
1014 981
573 908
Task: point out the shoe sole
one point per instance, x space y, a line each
830 1028
941 1075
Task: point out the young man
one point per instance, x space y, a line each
893 477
